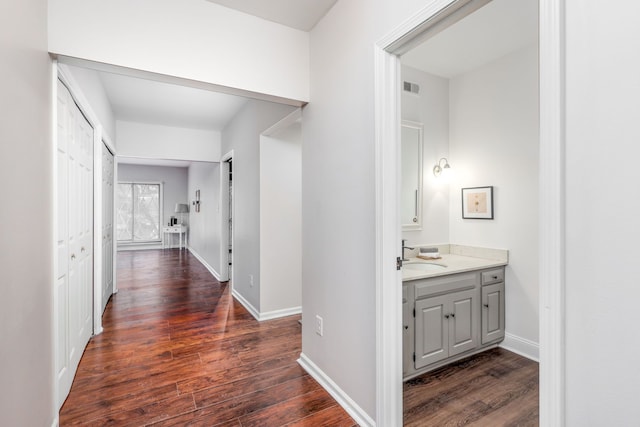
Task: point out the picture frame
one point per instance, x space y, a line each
477 202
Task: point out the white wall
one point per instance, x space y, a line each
281 220
204 226
495 141
93 90
193 39
431 108
242 135
602 230
174 188
164 142
26 247
338 229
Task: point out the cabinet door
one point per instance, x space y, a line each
407 320
492 312
463 322
431 330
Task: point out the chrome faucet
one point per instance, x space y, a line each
405 247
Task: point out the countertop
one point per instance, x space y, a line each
454 264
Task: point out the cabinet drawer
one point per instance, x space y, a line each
439 285
493 276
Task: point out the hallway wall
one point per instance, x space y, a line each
26 247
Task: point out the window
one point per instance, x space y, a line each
138 212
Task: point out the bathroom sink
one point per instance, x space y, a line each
423 266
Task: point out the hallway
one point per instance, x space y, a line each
178 350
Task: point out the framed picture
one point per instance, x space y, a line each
477 203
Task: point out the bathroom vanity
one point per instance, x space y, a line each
452 307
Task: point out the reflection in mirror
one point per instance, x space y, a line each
411 194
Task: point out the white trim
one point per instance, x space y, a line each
388 236
56 421
224 220
97 230
54 235
276 314
552 213
115 226
521 346
250 308
212 270
343 399
268 315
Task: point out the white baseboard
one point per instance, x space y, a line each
250 308
276 314
142 247
205 263
269 315
521 346
355 411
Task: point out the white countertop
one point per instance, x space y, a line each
454 264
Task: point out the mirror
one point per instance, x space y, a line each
411 193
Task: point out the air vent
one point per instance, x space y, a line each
411 87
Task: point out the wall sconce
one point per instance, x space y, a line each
196 202
440 168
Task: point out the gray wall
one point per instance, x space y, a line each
26 254
242 135
174 181
204 226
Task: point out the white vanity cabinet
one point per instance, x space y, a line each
449 317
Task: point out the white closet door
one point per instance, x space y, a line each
107 225
74 285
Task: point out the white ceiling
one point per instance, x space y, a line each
139 100
493 31
300 14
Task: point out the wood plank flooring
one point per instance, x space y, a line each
493 388
177 350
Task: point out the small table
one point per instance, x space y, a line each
175 229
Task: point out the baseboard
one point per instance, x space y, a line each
355 411
144 247
269 315
276 314
56 421
205 263
521 346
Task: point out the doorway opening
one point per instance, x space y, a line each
429 23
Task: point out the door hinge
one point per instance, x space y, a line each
414 312
414 356
398 263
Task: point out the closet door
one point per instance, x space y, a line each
74 284
107 225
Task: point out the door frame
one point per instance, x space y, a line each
224 219
551 193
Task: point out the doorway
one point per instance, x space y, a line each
432 20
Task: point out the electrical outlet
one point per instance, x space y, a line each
319 325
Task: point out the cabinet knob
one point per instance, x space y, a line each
82 249
453 315
485 305
73 256
446 316
406 326
495 277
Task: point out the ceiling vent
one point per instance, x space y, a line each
411 87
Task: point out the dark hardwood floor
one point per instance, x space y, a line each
177 350
494 388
